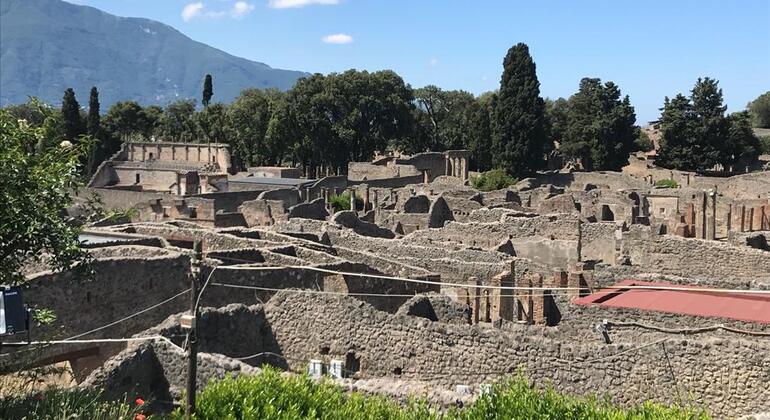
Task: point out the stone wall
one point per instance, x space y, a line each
728 377
121 285
599 242
696 258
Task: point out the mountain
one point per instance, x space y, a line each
47 46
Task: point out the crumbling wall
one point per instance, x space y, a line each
599 242
706 371
696 258
120 286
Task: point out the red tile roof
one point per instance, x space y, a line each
743 306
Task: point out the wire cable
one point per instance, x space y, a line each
128 317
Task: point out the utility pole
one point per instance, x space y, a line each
191 322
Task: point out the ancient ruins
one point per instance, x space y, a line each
425 285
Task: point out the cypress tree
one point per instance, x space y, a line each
70 111
94 120
519 115
208 90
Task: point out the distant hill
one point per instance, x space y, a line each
47 46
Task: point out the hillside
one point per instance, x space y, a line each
47 46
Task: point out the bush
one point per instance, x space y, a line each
270 395
65 404
764 145
493 180
666 183
342 202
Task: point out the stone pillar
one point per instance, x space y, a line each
757 218
538 301
464 168
425 178
476 298
376 205
307 194
446 165
352 199
713 224
366 198
703 224
737 222
729 219
392 195
325 195
766 217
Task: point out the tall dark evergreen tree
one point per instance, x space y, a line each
70 111
600 128
519 120
94 119
208 90
697 134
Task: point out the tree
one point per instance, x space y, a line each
248 119
208 91
600 129
94 117
480 132
760 110
696 133
448 114
36 188
70 110
679 142
178 122
744 145
123 121
212 123
519 120
556 120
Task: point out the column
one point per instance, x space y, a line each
476 298
307 194
446 165
366 198
352 199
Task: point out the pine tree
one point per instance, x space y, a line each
94 119
600 128
70 111
519 120
208 90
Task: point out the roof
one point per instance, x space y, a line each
742 306
290 182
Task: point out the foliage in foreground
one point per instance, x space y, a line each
272 396
493 180
65 404
38 178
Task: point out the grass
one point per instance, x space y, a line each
65 404
495 179
666 183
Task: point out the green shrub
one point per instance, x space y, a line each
764 144
270 395
65 404
493 180
666 183
342 202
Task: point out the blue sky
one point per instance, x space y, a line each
649 48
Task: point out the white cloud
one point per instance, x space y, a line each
191 11
293 4
337 39
434 62
241 8
199 10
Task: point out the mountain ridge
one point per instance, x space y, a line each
47 46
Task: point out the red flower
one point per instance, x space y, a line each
139 401
140 416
